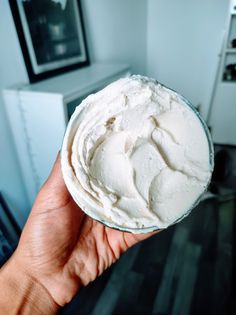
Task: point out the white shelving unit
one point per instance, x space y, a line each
38 114
222 114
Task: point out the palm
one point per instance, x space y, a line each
64 247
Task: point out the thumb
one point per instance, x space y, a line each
55 179
54 192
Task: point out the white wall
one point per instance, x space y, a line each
117 31
184 39
11 71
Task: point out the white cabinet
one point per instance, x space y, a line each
38 114
222 114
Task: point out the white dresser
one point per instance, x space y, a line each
38 114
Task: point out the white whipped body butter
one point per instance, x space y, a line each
136 156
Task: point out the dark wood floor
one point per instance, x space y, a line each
185 270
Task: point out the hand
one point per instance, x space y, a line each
61 248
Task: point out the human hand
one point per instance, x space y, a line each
61 248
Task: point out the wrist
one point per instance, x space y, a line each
22 294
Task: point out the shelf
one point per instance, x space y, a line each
221 116
231 32
230 50
228 81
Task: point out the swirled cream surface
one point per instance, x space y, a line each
135 155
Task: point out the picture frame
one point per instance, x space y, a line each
9 231
51 35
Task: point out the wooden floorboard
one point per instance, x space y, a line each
187 279
110 295
162 301
129 293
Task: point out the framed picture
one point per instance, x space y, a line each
51 35
9 232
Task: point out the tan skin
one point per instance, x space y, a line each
60 250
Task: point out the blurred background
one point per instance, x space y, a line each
54 53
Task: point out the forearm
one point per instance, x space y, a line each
21 294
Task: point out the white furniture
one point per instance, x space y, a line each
38 115
222 114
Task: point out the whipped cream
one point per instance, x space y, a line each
136 156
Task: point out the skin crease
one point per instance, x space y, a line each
63 249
